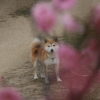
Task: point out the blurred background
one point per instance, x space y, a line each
16 29
16 33
81 10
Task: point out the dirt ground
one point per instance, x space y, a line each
16 34
15 62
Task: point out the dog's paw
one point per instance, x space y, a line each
35 77
46 81
59 80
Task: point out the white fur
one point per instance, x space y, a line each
50 47
36 40
52 59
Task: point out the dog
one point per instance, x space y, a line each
45 53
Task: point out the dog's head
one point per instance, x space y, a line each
51 45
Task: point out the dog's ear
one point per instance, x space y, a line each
55 39
45 40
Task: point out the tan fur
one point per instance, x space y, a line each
40 54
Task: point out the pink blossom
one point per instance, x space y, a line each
95 17
9 93
70 62
44 16
67 55
64 4
77 66
71 24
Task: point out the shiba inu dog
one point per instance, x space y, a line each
45 53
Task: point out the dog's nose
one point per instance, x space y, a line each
51 50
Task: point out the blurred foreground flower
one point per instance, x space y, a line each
71 24
67 55
9 94
95 17
44 16
77 66
64 4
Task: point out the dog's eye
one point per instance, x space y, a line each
53 45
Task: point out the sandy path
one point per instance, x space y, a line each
15 37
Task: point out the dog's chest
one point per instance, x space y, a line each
50 61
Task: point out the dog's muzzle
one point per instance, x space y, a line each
52 50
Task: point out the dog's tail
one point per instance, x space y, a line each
36 45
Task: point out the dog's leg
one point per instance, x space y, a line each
42 72
57 73
35 69
46 75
